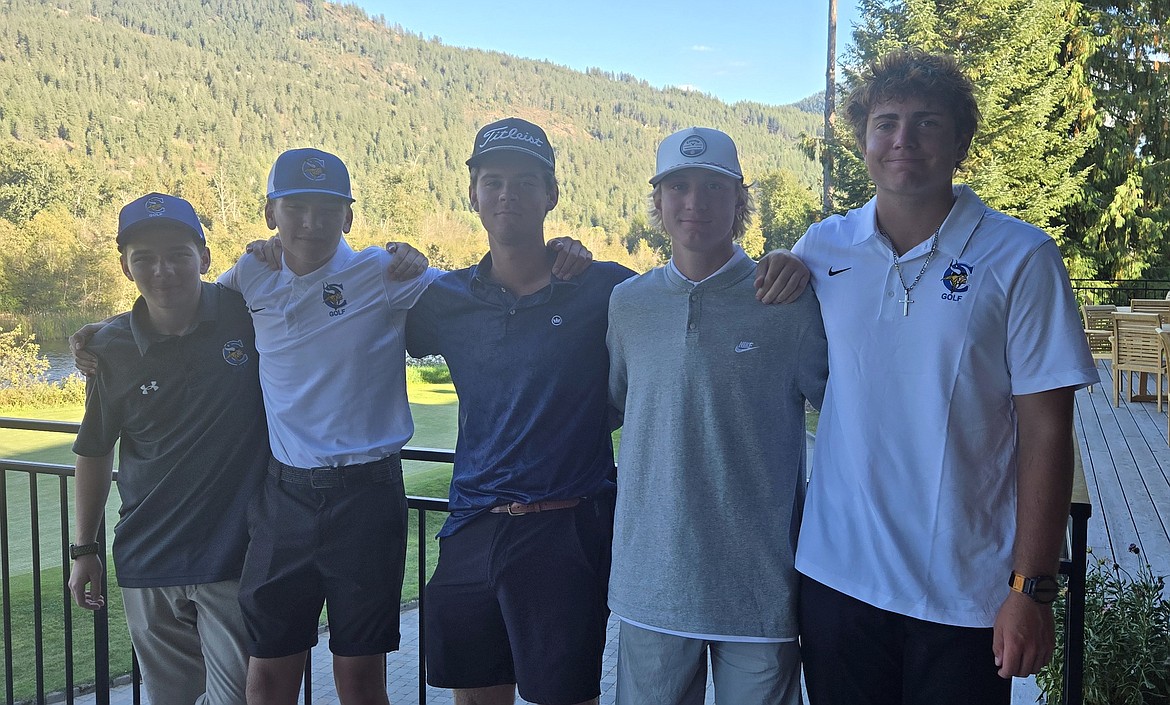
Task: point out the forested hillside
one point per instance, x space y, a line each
102 100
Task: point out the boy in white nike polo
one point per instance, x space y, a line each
329 524
713 386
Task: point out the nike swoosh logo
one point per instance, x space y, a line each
256 310
835 272
744 347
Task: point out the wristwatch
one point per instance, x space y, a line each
1042 588
85 549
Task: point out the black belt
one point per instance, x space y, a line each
375 472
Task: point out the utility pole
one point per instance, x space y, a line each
830 108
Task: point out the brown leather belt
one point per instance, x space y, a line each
517 509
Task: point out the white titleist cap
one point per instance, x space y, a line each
698 148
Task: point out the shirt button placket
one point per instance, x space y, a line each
694 308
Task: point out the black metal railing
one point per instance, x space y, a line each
102 681
1118 291
1072 565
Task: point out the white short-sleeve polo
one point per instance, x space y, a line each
912 499
332 356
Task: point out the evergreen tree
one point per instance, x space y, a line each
1118 225
1026 58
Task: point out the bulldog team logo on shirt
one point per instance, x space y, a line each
955 280
314 169
334 297
234 353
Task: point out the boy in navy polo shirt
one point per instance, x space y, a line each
518 597
178 385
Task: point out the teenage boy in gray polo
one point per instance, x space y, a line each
178 386
713 385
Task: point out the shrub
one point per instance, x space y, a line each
1127 638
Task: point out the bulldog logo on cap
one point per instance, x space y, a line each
693 146
314 169
155 206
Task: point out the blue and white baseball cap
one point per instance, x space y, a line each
308 170
156 208
698 148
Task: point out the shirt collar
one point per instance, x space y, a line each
144 333
953 235
335 264
481 277
737 256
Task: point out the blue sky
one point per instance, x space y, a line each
771 51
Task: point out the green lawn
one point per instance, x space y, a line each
435 411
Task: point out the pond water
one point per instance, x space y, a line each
60 364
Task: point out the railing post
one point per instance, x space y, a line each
1074 617
422 590
101 631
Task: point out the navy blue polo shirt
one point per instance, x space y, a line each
194 442
532 376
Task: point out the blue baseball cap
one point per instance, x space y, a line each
308 170
154 208
516 135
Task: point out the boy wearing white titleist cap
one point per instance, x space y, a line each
178 387
713 386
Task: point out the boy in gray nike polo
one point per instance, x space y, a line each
713 386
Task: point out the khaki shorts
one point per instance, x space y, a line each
665 669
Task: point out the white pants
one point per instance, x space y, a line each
190 642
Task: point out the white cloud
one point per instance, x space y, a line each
701 47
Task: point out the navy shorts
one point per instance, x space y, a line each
333 536
522 599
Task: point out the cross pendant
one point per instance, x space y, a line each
906 304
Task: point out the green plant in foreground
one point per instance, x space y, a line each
1127 638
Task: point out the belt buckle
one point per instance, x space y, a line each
516 514
330 477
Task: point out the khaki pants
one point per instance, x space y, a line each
190 642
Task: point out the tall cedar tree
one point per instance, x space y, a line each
1027 60
1118 226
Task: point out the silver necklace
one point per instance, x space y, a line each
906 300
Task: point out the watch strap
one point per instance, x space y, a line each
1043 589
84 549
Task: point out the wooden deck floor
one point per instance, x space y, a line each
1127 472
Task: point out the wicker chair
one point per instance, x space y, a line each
1137 347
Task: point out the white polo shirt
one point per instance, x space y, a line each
912 501
331 356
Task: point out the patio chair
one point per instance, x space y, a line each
1159 306
1098 321
1137 347
1164 335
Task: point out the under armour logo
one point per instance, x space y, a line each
148 388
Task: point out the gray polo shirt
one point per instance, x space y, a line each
194 443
